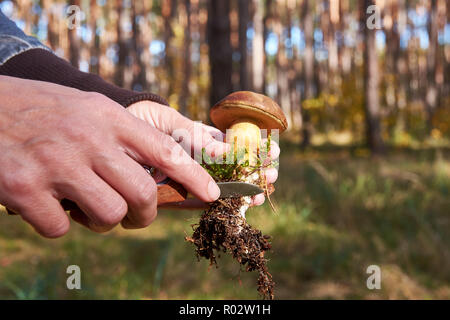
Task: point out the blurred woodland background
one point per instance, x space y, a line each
347 91
334 78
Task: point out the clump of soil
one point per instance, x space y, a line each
222 228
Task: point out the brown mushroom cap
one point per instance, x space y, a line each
246 105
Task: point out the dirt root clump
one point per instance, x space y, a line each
223 229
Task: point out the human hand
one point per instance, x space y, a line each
61 143
194 136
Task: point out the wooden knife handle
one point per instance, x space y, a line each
168 192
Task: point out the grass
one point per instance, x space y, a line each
339 211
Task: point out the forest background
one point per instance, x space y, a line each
364 172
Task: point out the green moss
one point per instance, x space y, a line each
234 166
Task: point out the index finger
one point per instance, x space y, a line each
152 147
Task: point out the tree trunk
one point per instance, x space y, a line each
139 77
334 19
308 27
401 69
52 33
289 67
184 96
168 13
283 97
371 79
345 53
119 77
243 24
258 47
94 63
431 97
267 17
74 41
390 75
219 49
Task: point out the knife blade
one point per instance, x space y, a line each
238 189
228 189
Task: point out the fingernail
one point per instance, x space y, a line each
213 191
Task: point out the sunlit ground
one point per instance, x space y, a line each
339 211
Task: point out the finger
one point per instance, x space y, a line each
179 166
220 137
46 216
215 133
151 147
81 218
135 186
274 150
214 150
102 204
271 175
258 200
195 136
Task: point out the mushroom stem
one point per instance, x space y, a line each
245 134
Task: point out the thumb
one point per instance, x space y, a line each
193 136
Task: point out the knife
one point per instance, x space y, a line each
169 191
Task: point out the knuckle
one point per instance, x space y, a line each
196 171
113 213
149 218
55 230
81 132
144 219
45 223
146 193
75 128
45 152
103 104
167 142
20 182
166 153
100 229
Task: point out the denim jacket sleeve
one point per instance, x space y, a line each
13 41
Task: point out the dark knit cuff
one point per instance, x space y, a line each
42 65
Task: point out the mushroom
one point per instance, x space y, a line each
245 113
